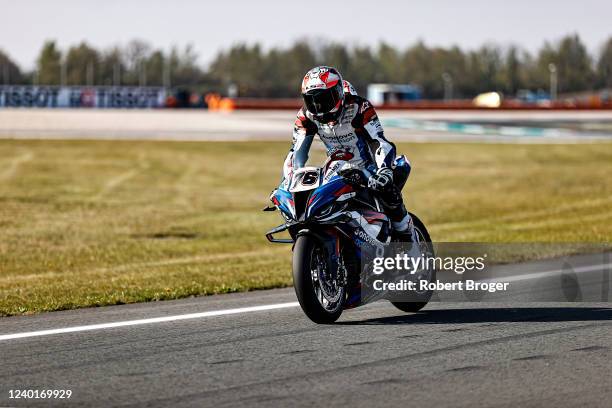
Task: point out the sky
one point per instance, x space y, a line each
211 26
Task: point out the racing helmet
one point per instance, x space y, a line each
323 93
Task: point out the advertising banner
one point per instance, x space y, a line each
82 97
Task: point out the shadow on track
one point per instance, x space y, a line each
495 315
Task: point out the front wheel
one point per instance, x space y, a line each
420 298
320 293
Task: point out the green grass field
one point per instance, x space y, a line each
89 223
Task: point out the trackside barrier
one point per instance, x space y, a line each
230 104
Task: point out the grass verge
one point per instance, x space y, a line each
91 223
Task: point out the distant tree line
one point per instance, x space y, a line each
135 64
252 71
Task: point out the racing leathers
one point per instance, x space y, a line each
358 131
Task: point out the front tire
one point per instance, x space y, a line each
308 254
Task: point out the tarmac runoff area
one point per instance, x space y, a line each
258 349
200 125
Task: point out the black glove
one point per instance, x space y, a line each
353 176
382 180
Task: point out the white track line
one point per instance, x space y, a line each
251 309
148 321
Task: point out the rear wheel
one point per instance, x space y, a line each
420 299
319 290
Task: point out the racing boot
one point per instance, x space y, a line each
403 226
404 229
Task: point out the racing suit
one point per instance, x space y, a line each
358 131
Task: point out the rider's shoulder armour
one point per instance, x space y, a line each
364 112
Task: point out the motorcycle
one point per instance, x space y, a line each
333 221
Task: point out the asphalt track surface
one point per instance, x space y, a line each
202 125
450 354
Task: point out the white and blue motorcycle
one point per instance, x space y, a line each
333 220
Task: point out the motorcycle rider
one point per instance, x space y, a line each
347 122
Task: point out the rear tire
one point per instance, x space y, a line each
425 241
303 253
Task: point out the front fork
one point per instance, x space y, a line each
331 242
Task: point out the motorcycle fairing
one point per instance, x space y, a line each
283 199
325 195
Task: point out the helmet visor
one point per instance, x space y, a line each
322 101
